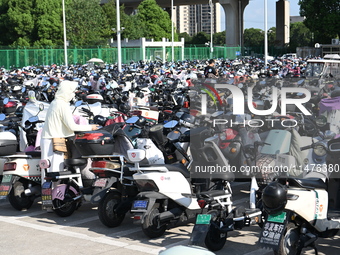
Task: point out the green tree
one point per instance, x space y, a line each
16 22
300 36
186 36
253 37
48 26
200 38
219 38
86 23
322 18
271 36
155 22
132 27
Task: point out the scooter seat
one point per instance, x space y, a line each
210 194
69 162
53 175
310 183
34 154
178 168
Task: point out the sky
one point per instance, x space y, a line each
254 13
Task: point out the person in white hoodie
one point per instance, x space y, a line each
59 123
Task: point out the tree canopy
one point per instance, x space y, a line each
300 35
253 37
86 23
322 18
39 23
154 21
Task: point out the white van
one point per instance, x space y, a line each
290 56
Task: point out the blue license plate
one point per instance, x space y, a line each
140 204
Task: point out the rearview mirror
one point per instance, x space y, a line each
171 124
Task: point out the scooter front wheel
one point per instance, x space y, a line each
17 197
290 241
149 228
66 207
107 210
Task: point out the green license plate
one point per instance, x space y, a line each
203 219
278 218
7 178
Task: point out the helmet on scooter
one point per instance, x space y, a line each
274 197
125 107
141 122
100 120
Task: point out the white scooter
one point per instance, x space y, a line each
21 179
301 210
168 195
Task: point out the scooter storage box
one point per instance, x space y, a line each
8 143
10 107
99 142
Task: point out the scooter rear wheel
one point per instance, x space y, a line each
17 197
148 226
106 210
215 239
66 207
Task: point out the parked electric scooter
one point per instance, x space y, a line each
211 228
63 192
302 210
114 175
159 206
22 175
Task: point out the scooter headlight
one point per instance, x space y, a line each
320 150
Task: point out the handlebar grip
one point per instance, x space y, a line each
306 147
229 141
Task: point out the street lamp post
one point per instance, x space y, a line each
64 28
265 34
119 47
172 32
211 28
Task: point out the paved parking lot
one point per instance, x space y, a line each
38 232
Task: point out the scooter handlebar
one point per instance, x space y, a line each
306 147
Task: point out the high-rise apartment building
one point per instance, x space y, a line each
192 19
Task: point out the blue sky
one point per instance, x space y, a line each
254 13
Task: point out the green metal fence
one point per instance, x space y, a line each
20 57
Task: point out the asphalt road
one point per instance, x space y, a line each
38 232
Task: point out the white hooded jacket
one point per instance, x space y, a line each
59 120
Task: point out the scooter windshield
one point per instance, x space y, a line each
277 142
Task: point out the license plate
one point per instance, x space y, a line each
4 190
100 182
140 204
7 178
46 194
279 218
5 186
203 219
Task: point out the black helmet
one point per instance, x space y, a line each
99 119
274 197
125 107
141 122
